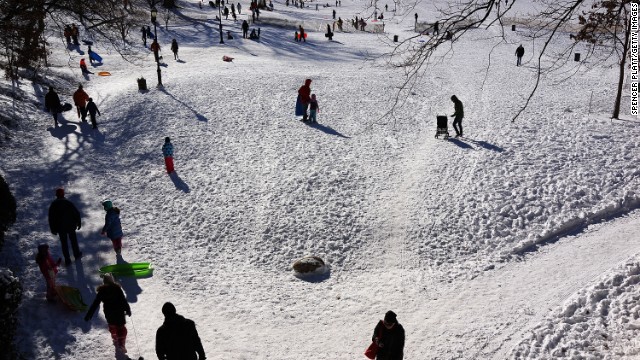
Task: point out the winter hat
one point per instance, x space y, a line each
307 82
390 317
167 139
168 309
107 204
59 193
108 279
90 99
43 248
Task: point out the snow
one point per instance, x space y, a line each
519 240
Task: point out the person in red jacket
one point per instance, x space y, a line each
80 98
83 66
49 269
304 97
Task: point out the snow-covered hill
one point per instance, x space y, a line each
495 245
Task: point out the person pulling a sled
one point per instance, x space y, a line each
49 269
115 307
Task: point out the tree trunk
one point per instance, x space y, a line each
623 63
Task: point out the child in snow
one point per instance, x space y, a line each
115 308
167 152
49 269
112 227
313 109
92 109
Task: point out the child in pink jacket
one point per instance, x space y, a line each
49 269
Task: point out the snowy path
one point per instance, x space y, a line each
519 295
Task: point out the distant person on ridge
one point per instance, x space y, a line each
519 54
174 48
457 116
245 29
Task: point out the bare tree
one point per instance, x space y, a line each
24 22
605 26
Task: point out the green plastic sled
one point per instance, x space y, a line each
128 269
71 297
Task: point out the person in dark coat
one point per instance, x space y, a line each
74 34
519 54
144 35
155 47
245 29
64 220
177 338
301 31
92 109
389 335
457 115
52 104
115 307
174 48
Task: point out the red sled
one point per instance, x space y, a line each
227 58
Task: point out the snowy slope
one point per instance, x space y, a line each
480 244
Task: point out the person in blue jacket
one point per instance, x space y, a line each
112 227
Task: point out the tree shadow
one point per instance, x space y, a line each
328 130
62 131
199 116
179 183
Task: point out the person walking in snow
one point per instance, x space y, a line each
389 336
83 67
304 97
457 116
301 31
64 220
167 153
519 54
67 34
313 109
112 227
92 109
155 47
177 338
52 104
144 35
80 98
49 269
174 48
74 34
245 29
239 7
115 307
